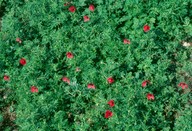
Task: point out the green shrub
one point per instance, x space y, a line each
46 31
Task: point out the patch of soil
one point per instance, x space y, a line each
7 111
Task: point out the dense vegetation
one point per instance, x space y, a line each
95 65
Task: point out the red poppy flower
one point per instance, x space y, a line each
6 78
65 79
34 89
91 7
108 114
183 85
111 103
126 41
110 80
91 86
72 9
22 61
146 28
69 55
150 96
18 40
86 18
144 83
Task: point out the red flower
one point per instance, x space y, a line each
146 28
91 86
69 55
86 18
6 78
34 89
65 79
91 7
110 80
72 9
22 61
126 41
144 83
111 103
183 85
18 40
108 114
150 96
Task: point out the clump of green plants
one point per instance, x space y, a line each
98 65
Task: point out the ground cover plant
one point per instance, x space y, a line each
96 65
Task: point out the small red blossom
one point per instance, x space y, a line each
146 28
144 83
86 18
69 55
91 86
108 114
150 96
110 80
183 85
65 79
91 7
72 9
126 41
34 89
6 78
18 40
22 61
111 103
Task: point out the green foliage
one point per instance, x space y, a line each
1 118
48 31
